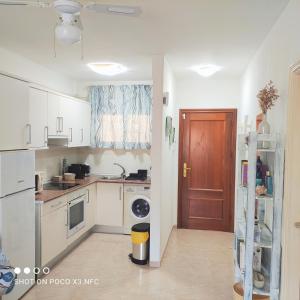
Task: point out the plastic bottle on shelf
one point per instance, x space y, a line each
257 231
269 183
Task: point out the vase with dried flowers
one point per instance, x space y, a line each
266 99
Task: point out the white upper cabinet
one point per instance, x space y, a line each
71 118
14 114
30 115
38 118
54 120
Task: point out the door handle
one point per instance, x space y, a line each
185 169
46 132
71 135
62 124
57 124
120 193
297 224
29 134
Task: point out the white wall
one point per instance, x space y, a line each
156 159
101 161
201 92
168 189
19 66
50 161
279 51
82 87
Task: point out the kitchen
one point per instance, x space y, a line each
72 199
117 118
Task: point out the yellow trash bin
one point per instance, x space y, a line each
140 234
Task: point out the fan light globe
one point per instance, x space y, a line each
68 34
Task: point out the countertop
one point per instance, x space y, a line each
48 195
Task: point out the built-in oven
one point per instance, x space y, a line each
76 214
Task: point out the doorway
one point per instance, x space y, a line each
207 149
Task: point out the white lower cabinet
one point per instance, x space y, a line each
53 234
109 204
91 205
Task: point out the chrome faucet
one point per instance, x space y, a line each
123 174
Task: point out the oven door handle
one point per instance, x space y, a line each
76 200
67 215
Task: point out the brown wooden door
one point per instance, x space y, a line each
207 146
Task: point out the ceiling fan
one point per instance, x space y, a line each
68 29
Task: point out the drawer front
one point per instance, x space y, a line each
52 205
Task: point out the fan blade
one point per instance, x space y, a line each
24 3
114 9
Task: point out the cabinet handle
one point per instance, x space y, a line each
67 220
88 196
62 124
81 135
29 134
56 205
46 131
57 125
71 135
120 193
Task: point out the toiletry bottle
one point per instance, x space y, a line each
258 168
64 166
257 231
269 183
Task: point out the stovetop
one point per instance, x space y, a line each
59 185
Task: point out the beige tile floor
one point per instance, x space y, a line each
197 265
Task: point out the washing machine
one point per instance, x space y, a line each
137 205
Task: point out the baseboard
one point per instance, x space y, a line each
108 229
154 264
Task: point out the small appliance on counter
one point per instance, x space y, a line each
80 170
140 175
39 181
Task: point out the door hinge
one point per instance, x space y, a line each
183 116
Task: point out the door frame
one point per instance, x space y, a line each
233 160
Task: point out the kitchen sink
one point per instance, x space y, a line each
110 177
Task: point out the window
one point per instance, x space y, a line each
121 116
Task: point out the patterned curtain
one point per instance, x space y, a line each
121 116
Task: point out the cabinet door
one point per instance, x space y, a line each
14 116
54 123
70 116
110 204
53 234
38 117
90 215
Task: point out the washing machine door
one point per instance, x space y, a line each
140 207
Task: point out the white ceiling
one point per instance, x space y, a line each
188 32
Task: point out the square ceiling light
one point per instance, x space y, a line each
107 68
206 70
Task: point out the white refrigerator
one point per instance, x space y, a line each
17 215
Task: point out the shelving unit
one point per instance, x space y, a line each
270 206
